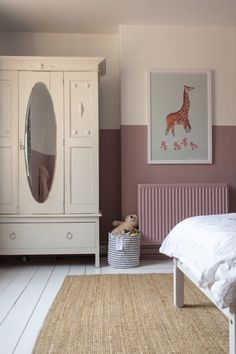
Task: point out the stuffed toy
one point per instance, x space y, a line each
123 227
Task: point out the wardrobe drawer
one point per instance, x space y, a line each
48 235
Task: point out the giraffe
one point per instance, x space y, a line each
180 117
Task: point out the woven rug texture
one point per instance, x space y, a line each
130 313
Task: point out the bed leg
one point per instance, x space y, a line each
178 286
232 330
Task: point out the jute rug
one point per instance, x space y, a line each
130 314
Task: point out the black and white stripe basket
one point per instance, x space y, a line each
123 251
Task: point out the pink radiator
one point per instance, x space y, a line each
162 206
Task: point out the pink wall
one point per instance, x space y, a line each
135 169
123 164
110 180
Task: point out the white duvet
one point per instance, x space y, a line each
207 246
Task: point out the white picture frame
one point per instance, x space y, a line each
179 116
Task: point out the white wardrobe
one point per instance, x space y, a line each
49 158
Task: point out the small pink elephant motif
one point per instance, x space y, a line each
163 145
176 146
193 146
184 142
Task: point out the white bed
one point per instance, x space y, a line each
204 249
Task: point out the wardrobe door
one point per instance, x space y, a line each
8 142
81 142
41 142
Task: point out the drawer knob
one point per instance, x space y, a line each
69 235
12 236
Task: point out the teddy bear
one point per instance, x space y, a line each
123 227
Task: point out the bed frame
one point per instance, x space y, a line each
178 292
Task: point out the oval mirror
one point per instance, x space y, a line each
40 142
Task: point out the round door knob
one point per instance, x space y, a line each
87 132
74 132
12 236
69 235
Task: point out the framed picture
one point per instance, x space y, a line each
180 117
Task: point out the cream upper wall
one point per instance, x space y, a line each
60 44
143 48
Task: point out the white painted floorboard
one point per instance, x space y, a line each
28 290
12 293
26 341
8 274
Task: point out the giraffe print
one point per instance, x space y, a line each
180 117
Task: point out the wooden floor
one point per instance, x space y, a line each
27 290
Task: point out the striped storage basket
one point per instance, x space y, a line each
123 251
